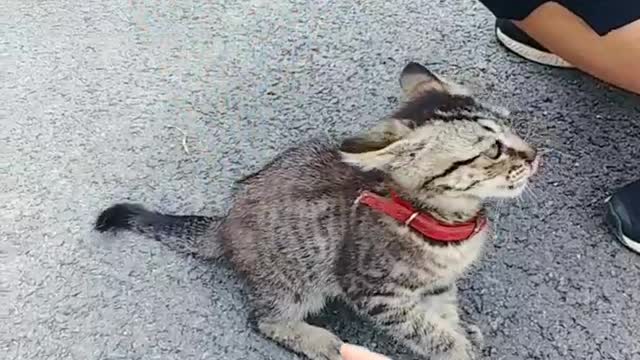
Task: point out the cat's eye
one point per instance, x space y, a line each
494 151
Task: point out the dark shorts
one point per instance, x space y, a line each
602 15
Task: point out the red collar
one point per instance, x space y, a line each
421 222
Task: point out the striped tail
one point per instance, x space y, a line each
186 234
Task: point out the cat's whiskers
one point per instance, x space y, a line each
547 150
542 150
531 193
501 207
528 134
507 229
499 214
519 198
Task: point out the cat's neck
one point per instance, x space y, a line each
450 209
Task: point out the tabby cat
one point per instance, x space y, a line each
299 231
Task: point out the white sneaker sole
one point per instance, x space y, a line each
630 244
530 53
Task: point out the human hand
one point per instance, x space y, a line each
353 352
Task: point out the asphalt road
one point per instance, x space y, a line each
89 91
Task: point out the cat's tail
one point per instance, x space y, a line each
187 234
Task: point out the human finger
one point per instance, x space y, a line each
354 352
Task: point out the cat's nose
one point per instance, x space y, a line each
530 155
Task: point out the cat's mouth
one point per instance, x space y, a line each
533 169
516 186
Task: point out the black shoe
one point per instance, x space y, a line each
623 215
519 42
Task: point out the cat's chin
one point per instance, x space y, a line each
505 191
510 191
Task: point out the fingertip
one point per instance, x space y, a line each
355 352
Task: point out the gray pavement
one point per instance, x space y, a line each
89 89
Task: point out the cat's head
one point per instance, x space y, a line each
443 141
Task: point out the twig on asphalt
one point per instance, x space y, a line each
184 138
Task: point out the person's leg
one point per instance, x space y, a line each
614 57
601 38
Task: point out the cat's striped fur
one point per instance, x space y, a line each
298 239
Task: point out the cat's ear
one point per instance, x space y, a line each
379 137
416 78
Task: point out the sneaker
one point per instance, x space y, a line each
623 215
520 43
